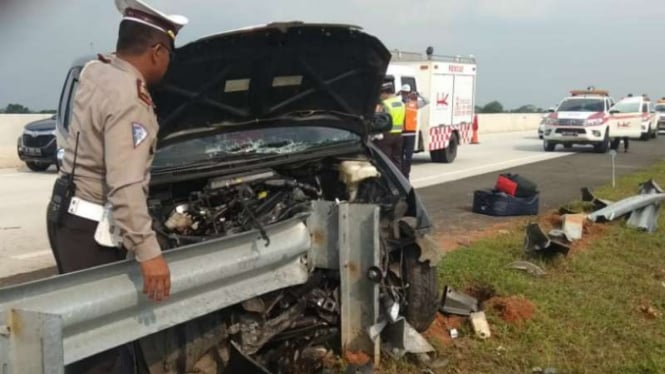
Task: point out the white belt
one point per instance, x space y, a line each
86 209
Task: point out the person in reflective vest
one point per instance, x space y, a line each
391 142
413 102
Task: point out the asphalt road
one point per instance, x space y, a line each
24 253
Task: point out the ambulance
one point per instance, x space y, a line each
449 84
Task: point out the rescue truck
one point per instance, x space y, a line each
591 117
449 84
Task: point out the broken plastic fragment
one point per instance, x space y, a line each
527 266
480 325
455 302
537 241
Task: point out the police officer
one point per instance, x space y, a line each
391 143
98 210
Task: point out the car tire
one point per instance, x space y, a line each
446 155
654 133
646 136
548 146
450 152
604 146
422 295
37 166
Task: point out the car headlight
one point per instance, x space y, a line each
549 121
60 155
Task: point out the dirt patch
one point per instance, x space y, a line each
591 232
649 311
464 237
551 220
481 291
359 358
513 309
439 331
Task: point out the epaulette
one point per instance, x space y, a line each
103 58
142 92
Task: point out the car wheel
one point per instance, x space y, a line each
37 166
548 146
446 155
422 295
645 136
604 146
654 133
450 152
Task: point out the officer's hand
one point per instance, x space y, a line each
156 278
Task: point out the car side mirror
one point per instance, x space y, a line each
380 123
614 111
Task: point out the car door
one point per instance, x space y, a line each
626 119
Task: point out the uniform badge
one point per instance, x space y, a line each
139 133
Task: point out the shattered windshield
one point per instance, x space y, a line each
582 105
235 145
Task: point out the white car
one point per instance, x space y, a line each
659 114
579 119
631 114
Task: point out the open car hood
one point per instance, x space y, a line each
287 72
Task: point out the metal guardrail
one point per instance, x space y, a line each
50 323
47 324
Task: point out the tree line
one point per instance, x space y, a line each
497 107
21 109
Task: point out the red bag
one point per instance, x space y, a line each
506 185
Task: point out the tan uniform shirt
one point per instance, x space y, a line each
117 127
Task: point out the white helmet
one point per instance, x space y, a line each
406 88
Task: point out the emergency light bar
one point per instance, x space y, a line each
589 93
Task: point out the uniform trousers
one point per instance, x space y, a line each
408 146
74 248
391 146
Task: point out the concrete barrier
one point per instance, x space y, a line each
507 122
11 127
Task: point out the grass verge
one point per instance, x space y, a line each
597 310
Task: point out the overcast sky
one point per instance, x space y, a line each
528 51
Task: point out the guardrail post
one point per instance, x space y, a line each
33 343
359 250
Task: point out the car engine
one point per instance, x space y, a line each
194 211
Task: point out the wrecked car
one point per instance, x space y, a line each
259 126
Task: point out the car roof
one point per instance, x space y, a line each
636 99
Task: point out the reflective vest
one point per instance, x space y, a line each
411 118
395 107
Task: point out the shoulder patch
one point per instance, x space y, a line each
139 133
142 92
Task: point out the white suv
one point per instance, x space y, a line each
579 119
659 112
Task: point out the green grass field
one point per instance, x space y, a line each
591 310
